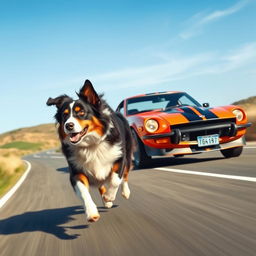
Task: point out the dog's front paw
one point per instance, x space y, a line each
125 190
109 197
107 201
93 218
108 204
92 214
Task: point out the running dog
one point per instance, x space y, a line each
97 144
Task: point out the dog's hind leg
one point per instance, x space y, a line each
112 189
125 188
81 187
102 190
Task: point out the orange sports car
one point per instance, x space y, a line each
175 124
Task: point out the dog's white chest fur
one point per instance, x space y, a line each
97 160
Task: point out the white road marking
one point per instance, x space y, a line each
56 157
50 152
216 175
48 156
9 194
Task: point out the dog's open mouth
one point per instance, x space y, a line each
76 137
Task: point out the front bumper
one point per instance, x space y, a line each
186 132
193 149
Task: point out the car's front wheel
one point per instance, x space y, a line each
141 159
232 152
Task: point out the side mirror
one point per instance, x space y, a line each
206 105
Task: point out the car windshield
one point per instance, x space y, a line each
159 102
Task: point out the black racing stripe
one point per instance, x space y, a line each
190 114
206 112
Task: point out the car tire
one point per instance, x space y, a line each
140 157
232 152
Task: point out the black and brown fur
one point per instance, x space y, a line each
97 144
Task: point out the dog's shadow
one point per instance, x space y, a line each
51 221
175 161
105 209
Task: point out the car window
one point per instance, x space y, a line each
135 107
184 100
159 101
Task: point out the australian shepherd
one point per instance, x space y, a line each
97 144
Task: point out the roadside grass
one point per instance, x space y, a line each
18 143
11 169
11 165
23 145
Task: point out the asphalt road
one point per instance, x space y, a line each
168 213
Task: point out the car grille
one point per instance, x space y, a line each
190 131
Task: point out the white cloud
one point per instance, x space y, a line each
243 55
179 68
152 74
223 13
170 69
236 59
200 20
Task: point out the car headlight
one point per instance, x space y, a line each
239 114
151 125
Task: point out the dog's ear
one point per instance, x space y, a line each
89 93
58 101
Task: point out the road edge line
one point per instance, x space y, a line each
207 174
11 192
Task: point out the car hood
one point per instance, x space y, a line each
185 114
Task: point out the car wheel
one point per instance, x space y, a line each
232 152
141 159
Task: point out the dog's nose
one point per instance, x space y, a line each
69 126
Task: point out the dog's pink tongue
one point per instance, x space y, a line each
74 137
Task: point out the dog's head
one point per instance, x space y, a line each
82 122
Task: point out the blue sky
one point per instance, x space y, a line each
204 47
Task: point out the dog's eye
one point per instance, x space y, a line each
65 112
81 113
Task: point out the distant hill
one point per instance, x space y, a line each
249 105
251 101
26 140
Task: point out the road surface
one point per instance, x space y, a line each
168 213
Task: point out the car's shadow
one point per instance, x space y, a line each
174 161
51 221
63 169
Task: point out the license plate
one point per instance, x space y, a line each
208 140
